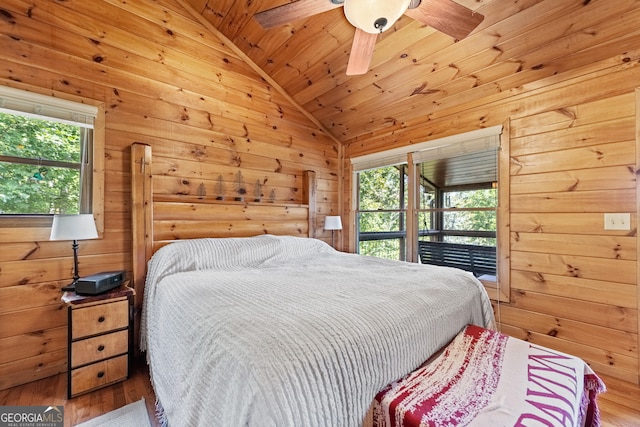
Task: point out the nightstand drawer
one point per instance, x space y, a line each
98 319
97 348
98 374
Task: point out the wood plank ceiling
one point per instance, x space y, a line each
418 73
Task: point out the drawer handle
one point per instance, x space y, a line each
100 347
100 374
101 319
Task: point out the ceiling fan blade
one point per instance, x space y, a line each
361 52
447 17
289 12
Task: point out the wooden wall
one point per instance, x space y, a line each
167 81
573 157
574 284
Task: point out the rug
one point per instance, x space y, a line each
133 415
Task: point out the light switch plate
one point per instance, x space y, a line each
617 221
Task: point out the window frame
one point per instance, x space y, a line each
30 228
498 290
400 209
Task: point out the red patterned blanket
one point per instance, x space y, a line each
484 378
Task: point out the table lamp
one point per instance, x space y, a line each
73 227
333 223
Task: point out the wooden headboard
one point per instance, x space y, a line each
167 207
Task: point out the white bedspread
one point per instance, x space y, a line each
286 331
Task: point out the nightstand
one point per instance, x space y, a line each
100 339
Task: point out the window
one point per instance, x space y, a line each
457 212
469 215
51 157
441 204
382 205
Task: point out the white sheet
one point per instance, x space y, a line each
286 331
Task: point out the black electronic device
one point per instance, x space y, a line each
99 283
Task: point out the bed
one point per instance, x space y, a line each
286 331
270 326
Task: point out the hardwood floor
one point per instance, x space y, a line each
619 406
53 391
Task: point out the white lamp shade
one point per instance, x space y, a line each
363 14
332 223
73 227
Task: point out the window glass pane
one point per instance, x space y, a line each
381 212
38 139
40 166
470 220
427 197
387 248
383 188
381 222
426 219
476 198
28 189
382 234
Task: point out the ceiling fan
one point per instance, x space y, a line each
371 17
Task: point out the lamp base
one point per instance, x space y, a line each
72 286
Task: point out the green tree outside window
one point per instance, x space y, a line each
40 165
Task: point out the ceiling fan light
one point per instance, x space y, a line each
369 15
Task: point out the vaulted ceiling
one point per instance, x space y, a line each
416 71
